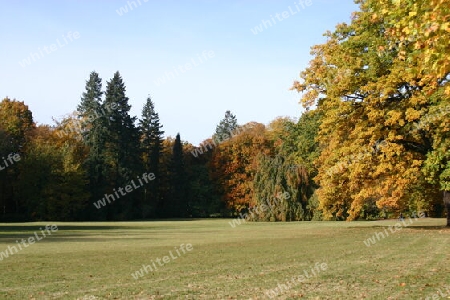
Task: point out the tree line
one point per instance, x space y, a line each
373 141
79 168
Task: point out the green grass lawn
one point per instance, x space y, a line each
97 260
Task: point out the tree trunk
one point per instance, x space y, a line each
447 205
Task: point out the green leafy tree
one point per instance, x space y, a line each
286 171
54 166
305 134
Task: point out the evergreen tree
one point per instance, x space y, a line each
121 149
204 200
151 146
226 127
91 123
178 206
91 99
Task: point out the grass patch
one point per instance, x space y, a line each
96 260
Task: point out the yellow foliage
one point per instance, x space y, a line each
374 81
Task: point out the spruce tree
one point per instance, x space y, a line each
91 123
178 205
122 148
91 99
226 127
151 147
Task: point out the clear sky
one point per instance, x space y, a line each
50 47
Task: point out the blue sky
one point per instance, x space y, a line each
50 47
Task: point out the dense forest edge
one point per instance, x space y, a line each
372 143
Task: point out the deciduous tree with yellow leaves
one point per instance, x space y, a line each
382 86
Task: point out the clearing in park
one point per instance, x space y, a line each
209 259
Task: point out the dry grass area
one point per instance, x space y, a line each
97 260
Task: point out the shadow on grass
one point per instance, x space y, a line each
68 238
416 227
9 231
91 226
66 227
25 231
75 233
429 227
173 220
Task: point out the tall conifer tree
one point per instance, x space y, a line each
179 192
226 127
151 144
92 126
122 147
